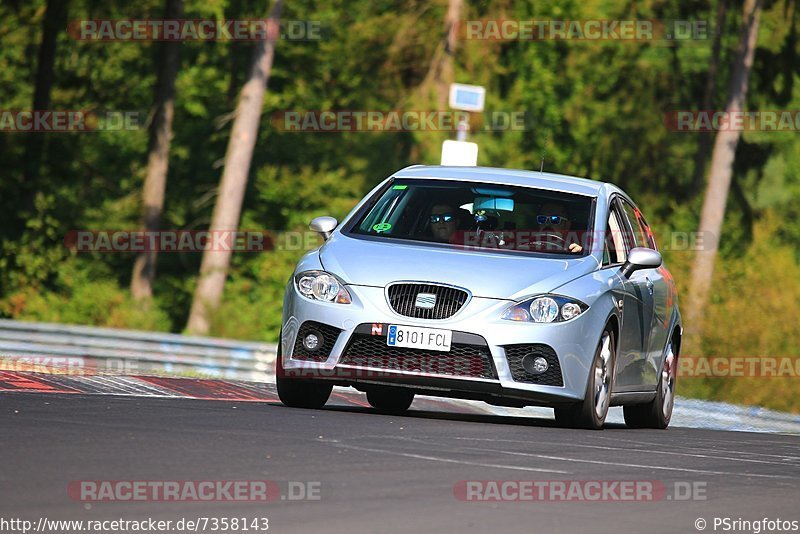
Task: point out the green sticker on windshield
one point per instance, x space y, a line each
400 187
382 227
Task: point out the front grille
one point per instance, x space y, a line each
329 335
551 377
463 360
403 297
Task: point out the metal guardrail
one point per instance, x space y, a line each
25 344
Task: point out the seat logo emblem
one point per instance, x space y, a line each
425 300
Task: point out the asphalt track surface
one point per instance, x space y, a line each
378 473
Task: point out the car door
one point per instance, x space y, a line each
641 292
659 284
627 295
636 316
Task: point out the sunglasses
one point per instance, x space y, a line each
442 217
552 219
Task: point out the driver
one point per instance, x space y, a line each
443 222
553 219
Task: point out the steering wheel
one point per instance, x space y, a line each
548 241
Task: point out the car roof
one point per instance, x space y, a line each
542 180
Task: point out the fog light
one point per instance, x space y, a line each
534 365
312 341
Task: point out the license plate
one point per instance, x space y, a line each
419 338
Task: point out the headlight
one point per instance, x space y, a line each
319 285
545 309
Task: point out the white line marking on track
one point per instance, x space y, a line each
638 466
650 451
337 443
725 450
759 443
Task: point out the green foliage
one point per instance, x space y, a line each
83 294
254 297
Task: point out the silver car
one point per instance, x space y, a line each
512 287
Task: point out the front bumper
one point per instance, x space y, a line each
354 331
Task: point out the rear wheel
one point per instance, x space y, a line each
658 413
592 412
390 400
299 393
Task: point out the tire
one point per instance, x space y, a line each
658 412
592 411
298 393
390 400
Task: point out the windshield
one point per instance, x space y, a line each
480 216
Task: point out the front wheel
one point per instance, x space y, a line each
298 393
658 412
592 412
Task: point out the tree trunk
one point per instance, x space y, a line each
704 141
236 49
144 267
719 179
442 70
214 267
54 21
447 73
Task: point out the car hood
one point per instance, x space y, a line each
498 275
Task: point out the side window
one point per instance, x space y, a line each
614 250
639 236
651 239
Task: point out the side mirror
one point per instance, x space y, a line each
323 226
641 258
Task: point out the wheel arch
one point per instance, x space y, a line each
677 339
613 321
